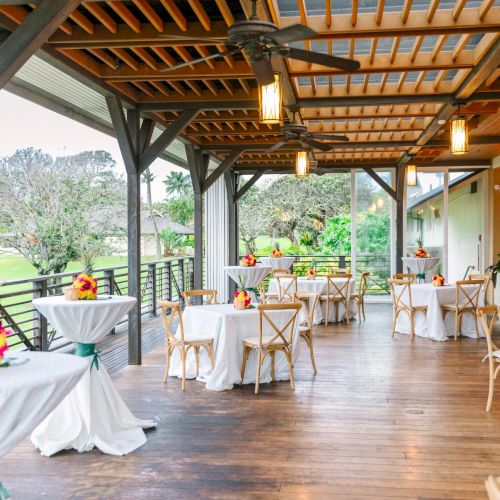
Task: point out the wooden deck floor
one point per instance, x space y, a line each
384 418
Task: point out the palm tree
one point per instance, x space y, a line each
177 184
148 177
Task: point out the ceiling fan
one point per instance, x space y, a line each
296 132
260 40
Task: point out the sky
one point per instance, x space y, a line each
25 124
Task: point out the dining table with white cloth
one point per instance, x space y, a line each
433 326
420 265
31 389
93 414
318 285
284 262
229 327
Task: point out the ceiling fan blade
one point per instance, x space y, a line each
201 59
330 137
276 146
210 41
293 33
323 59
316 144
263 70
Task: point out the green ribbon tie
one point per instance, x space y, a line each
84 350
421 276
4 494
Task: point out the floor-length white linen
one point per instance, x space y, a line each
254 274
319 285
229 327
420 265
278 262
93 414
433 326
30 391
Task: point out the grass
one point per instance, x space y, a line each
265 242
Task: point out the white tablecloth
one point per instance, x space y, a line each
93 414
254 274
229 327
29 392
278 262
420 265
319 285
433 326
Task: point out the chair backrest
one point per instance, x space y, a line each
277 333
211 294
489 325
405 276
287 287
486 281
310 300
339 289
363 283
401 293
278 272
262 292
167 319
467 293
339 270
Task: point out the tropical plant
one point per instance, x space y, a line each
148 178
180 210
177 184
494 269
171 241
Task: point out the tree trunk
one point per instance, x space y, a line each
151 214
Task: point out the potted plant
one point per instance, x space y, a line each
438 280
494 269
276 250
249 260
311 272
85 282
242 299
421 253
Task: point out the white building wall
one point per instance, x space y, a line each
216 239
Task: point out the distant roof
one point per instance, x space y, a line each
163 222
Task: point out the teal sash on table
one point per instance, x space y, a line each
84 350
4 494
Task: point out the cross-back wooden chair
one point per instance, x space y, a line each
492 485
466 302
310 301
264 296
339 270
287 288
359 297
486 283
411 277
402 302
182 340
281 339
489 315
189 294
277 272
336 293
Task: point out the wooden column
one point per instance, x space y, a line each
231 180
31 34
400 216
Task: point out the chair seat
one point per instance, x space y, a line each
304 328
331 297
193 337
415 308
453 307
254 341
496 354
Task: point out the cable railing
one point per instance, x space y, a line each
161 279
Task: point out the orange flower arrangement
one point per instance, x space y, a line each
311 273
421 253
242 299
87 286
249 260
438 280
276 251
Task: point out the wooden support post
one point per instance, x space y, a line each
381 182
231 182
31 34
225 165
400 215
249 184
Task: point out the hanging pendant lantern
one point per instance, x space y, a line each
270 99
302 164
459 135
411 175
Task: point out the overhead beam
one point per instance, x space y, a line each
226 164
249 184
166 138
388 189
31 34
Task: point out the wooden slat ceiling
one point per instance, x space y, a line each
405 47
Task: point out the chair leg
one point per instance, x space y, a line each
167 365
311 352
363 308
474 313
183 360
327 311
358 305
273 355
257 376
491 386
394 318
456 324
412 324
290 368
197 357
211 354
336 305
244 362
346 307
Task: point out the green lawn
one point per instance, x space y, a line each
265 242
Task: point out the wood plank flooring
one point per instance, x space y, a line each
384 418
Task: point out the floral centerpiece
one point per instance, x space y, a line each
276 251
85 282
242 299
421 253
249 260
4 333
438 280
311 272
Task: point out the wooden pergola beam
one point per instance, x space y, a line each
376 177
31 34
226 164
249 184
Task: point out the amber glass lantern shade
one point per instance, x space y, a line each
411 175
302 164
270 99
459 136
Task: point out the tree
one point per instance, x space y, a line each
50 207
178 184
336 237
180 210
148 177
